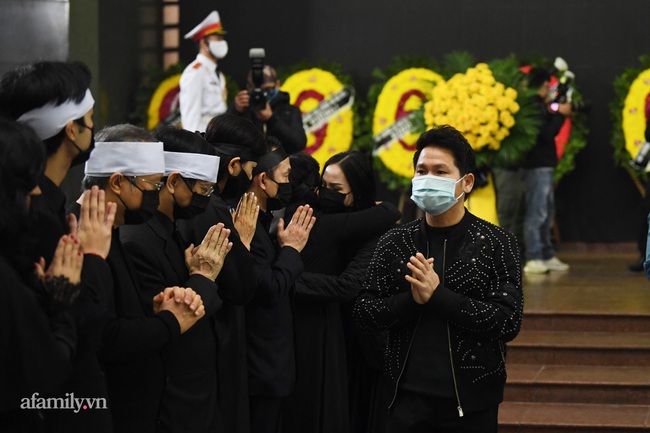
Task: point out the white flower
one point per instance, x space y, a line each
560 64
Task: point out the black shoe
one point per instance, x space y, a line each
637 266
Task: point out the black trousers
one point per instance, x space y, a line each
415 413
266 414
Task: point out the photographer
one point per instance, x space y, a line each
539 164
277 117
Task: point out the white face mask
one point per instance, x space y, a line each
435 194
219 49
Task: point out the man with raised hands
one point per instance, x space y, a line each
239 145
162 258
128 164
269 317
54 99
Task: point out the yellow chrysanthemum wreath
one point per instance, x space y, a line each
307 89
476 104
404 93
634 113
163 101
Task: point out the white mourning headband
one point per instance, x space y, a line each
49 120
192 165
129 158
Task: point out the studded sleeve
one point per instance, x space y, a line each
487 299
385 301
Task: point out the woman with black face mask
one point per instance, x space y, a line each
36 351
348 220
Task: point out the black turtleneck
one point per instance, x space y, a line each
428 369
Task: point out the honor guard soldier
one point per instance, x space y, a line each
202 86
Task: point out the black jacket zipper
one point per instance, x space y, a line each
408 351
451 355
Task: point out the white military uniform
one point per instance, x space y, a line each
202 94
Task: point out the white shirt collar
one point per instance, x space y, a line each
206 60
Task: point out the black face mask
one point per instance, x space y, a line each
197 206
149 207
83 155
235 187
331 201
282 198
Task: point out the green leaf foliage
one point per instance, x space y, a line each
457 62
622 85
147 88
363 136
150 83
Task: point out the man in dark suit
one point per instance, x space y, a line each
269 317
53 98
129 165
162 258
239 145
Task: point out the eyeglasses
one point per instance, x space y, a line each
157 185
206 190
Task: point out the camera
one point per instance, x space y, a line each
642 158
564 90
257 94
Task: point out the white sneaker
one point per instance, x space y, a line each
555 264
535 267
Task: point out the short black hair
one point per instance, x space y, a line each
268 75
305 169
183 141
537 76
89 181
357 168
237 132
273 143
34 85
448 137
22 161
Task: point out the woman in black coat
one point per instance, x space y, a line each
36 348
347 218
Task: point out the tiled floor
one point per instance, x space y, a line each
582 360
598 282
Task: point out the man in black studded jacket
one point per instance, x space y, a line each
448 289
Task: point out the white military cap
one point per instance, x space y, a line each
129 158
210 25
192 165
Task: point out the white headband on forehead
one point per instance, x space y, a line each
49 120
129 158
192 165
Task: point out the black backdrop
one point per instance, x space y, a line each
597 202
